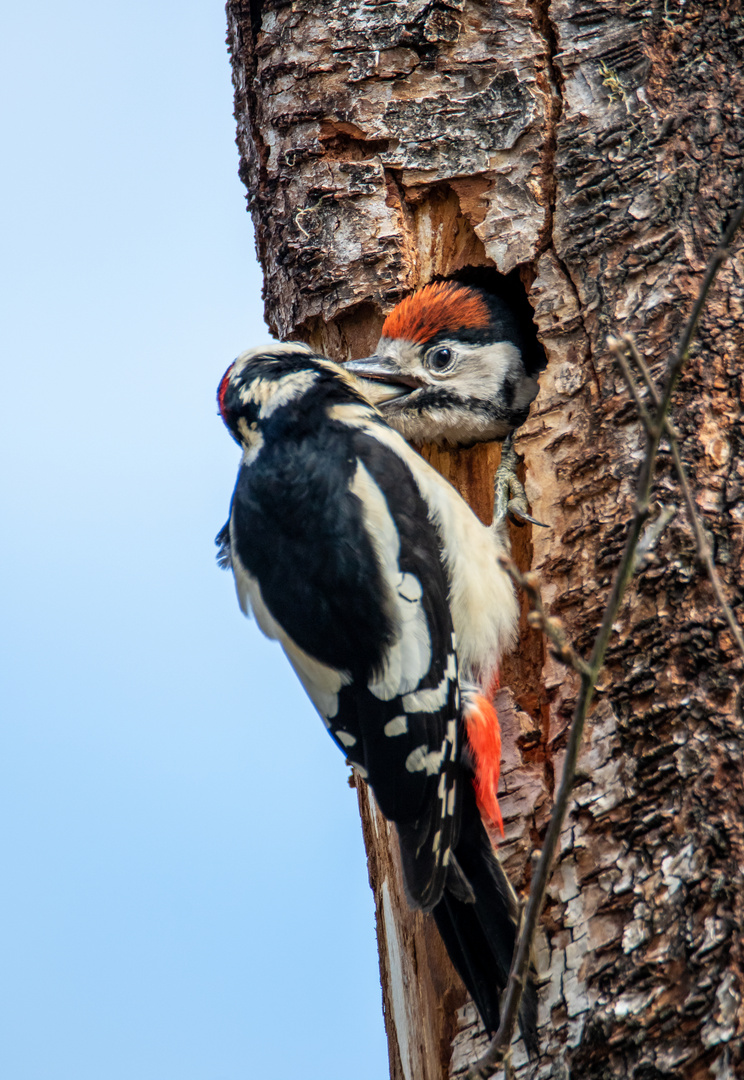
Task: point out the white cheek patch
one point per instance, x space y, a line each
481 370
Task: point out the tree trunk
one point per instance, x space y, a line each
594 150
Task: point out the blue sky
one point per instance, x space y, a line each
185 892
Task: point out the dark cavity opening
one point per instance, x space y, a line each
510 289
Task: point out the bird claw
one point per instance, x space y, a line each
510 499
518 515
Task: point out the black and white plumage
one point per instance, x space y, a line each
449 367
384 591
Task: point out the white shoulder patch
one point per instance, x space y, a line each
409 658
482 598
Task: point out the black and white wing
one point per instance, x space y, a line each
334 551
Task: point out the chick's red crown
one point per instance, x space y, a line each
445 306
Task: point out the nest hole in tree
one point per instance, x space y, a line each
511 289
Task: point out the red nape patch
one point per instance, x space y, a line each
443 307
222 390
484 737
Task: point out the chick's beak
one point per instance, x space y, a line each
382 378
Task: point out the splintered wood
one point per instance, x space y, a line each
598 149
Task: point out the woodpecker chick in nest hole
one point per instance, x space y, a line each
449 367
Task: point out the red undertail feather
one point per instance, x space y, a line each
484 737
435 309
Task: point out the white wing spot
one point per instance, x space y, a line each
398 726
433 698
345 738
451 801
419 760
436 841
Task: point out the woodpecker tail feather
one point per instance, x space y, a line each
479 934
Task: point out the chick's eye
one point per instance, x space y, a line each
439 359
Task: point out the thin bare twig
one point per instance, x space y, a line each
501 1041
539 619
717 259
619 348
651 535
640 363
626 345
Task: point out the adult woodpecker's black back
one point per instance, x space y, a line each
385 593
449 367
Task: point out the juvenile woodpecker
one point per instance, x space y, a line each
449 367
385 593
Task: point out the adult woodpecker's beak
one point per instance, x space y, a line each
382 378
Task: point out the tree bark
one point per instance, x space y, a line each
596 150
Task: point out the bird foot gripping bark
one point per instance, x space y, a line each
510 499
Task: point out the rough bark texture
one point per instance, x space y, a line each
597 148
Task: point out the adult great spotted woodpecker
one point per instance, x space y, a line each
385 593
449 367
